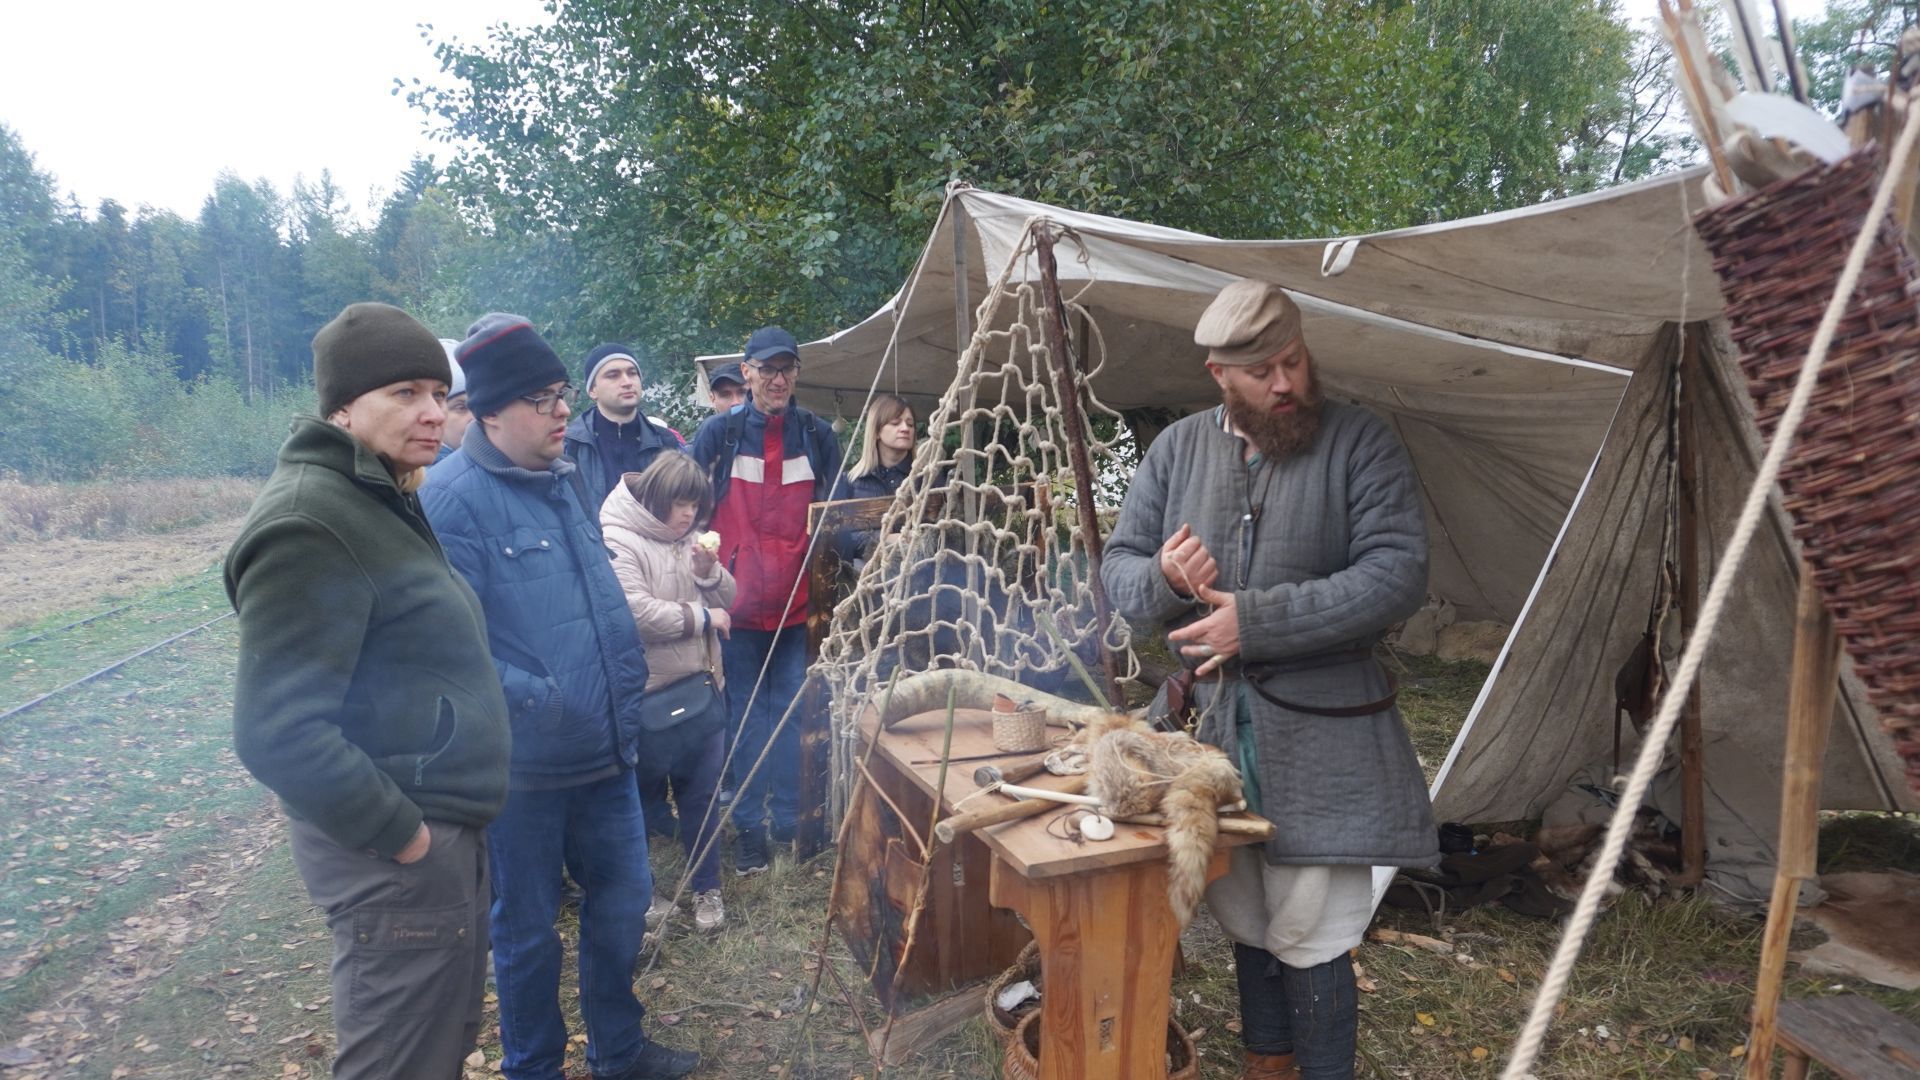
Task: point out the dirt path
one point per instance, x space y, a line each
39 578
95 1026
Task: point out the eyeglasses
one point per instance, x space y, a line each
543 402
771 372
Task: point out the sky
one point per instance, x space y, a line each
1796 9
146 103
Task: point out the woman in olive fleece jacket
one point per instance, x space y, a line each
367 700
366 696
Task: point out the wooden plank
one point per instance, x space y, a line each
846 514
1107 945
905 1036
959 936
1810 699
1853 1036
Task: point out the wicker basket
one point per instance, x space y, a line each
1852 482
1027 968
1021 732
1022 1058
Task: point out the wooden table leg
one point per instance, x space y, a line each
1107 941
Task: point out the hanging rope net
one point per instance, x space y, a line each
981 563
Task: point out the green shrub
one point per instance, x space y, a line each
128 415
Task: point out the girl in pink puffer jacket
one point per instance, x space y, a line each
679 594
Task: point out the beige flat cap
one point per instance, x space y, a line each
1247 323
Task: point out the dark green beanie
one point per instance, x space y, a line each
368 346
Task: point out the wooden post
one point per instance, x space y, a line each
1693 799
1067 382
815 719
969 508
1816 670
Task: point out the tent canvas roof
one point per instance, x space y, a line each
1503 349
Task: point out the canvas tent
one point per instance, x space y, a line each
1524 357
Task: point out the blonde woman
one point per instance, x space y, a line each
886 451
886 455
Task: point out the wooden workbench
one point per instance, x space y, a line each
1098 910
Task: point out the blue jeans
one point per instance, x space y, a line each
1312 1013
690 761
774 790
596 831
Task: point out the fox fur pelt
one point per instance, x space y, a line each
1133 769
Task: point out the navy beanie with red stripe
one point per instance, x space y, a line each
504 359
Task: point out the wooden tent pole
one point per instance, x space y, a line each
1067 380
1810 700
1693 798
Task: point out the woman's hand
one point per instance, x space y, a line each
722 622
416 848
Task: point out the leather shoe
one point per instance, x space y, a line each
1269 1067
657 1062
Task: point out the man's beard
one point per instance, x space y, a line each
1275 434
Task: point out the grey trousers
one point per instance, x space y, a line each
409 951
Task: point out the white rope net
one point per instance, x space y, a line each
981 557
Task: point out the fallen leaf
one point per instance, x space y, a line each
1738 1051
476 1059
1479 1053
1684 1044
1506 976
1426 1019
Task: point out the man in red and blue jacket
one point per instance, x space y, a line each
768 459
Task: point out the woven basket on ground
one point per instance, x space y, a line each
1852 480
1027 967
1022 1058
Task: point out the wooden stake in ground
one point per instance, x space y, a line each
1816 670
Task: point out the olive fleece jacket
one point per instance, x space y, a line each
366 698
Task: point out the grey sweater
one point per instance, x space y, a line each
1339 554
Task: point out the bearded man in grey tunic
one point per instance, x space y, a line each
1278 536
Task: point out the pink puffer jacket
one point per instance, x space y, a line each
668 602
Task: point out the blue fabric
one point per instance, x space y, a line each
1312 1013
853 545
817 441
558 625
774 791
600 470
689 758
595 830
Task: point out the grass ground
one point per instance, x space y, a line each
152 926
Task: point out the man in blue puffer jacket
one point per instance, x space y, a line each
511 515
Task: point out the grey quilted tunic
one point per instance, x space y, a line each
1339 554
